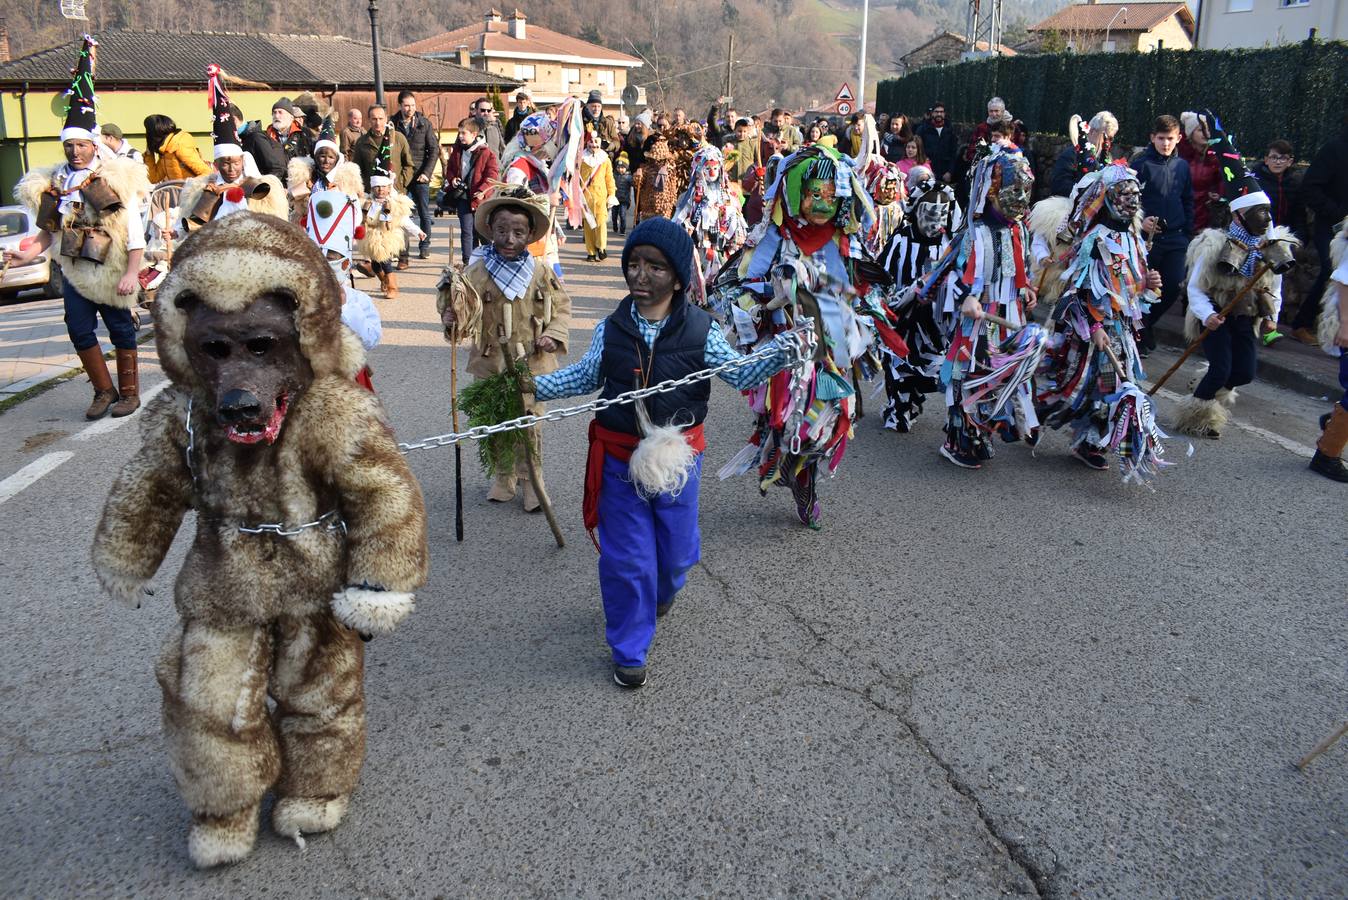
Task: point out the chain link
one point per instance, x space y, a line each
330 521
797 344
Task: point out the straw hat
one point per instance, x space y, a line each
520 198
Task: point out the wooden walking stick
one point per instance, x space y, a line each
856 386
454 424
1323 746
535 472
1226 311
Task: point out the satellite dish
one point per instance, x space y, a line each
74 9
630 95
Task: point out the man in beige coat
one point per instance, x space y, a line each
520 301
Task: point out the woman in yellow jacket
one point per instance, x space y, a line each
171 153
596 175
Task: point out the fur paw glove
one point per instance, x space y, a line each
371 610
125 589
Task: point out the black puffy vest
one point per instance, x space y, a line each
680 349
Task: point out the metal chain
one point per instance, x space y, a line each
798 345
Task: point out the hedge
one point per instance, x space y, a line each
1293 91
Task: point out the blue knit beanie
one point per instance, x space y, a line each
670 239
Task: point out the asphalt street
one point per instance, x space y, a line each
1031 679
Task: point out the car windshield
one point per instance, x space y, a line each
13 222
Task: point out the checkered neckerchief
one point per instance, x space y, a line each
511 276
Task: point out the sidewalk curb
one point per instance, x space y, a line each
1272 369
30 387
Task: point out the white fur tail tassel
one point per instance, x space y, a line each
661 462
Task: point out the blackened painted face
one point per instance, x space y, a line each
510 232
326 160
250 362
1256 219
650 278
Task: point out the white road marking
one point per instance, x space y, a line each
108 423
31 473
1286 443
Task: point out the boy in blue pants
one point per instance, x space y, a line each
647 541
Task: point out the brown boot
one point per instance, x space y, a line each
99 376
1329 449
391 286
383 280
128 383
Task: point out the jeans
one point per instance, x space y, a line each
82 321
467 236
619 218
1231 357
646 548
1309 310
421 196
1167 257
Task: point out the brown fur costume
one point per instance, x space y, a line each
265 614
274 203
1222 287
97 282
384 240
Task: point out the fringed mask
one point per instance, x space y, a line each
819 200
931 214
1124 199
1009 186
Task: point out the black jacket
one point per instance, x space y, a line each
680 348
941 149
512 125
1167 190
1284 194
422 140
1064 175
1325 186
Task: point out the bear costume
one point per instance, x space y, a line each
264 426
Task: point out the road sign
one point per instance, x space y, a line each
844 108
844 95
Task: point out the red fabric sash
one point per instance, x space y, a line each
809 238
619 445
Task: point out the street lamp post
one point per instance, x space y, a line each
1123 11
374 40
861 66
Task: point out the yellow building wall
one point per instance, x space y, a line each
127 109
1170 33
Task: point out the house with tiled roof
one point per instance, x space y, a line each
1093 27
946 47
140 72
551 65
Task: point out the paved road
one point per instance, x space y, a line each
1026 680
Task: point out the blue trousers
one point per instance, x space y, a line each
421 198
646 548
1343 377
1231 351
1167 257
82 321
467 236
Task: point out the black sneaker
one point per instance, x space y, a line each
630 677
1093 458
1329 466
963 460
603 255
662 608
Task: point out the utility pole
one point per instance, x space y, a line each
374 40
861 66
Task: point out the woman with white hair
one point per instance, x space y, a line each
1067 170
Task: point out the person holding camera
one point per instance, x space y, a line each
469 173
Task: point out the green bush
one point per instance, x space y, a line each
1293 91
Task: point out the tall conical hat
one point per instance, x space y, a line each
81 120
383 163
327 137
223 132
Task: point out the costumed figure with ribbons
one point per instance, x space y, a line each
388 221
1235 278
989 362
930 217
644 468
90 206
711 214
1333 334
655 183
1087 379
807 258
544 157
332 220
885 185
327 170
229 189
310 533
505 296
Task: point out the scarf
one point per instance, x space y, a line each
1250 242
511 276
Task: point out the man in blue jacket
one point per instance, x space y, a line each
1168 207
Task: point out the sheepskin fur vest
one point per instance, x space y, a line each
274 203
1330 313
96 281
1204 253
384 232
680 349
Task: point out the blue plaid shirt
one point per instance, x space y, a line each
582 377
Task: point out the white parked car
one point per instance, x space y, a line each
17 228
